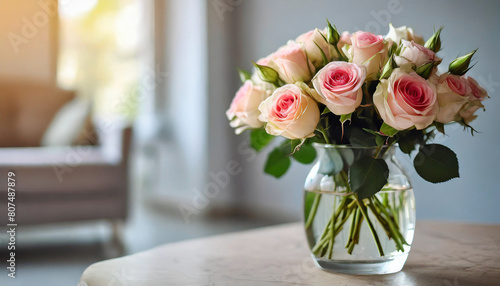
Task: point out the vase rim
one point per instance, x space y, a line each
347 146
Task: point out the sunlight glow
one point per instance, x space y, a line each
75 8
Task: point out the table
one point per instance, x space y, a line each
445 254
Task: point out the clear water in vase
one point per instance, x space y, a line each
350 247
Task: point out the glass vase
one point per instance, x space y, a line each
370 236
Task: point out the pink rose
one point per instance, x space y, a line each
415 53
339 86
453 93
345 39
477 92
290 112
468 113
316 45
368 49
244 110
292 64
405 100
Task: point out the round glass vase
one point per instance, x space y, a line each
370 236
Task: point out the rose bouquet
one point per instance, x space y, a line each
361 90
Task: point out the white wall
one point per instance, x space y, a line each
261 26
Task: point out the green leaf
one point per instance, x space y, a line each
306 154
277 163
439 127
259 139
345 117
406 145
325 111
388 130
358 137
379 139
436 163
367 176
244 75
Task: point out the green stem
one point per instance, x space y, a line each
351 229
391 232
322 131
394 210
357 230
341 54
372 229
333 219
312 212
390 221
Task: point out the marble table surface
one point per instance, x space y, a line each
445 254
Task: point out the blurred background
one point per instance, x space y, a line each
112 117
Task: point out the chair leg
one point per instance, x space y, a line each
116 246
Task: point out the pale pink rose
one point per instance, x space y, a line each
368 49
292 64
268 61
468 113
339 86
244 110
316 45
290 112
415 53
476 91
476 95
395 35
453 94
345 39
405 100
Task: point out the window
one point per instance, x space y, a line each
101 53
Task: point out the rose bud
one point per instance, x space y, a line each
415 53
316 45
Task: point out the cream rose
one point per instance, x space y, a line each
290 112
453 94
315 44
291 63
345 40
338 85
368 49
412 52
395 35
405 100
244 110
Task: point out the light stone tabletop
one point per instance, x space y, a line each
446 254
